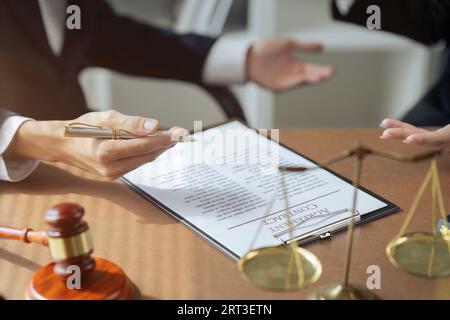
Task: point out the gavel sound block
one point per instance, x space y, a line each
70 245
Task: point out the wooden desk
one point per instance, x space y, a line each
168 261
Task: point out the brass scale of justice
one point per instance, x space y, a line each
288 267
282 268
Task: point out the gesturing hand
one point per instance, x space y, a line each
270 63
410 134
109 158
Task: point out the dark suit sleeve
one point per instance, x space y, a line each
122 44
426 21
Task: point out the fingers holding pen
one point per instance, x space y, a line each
117 157
113 150
139 126
112 158
116 169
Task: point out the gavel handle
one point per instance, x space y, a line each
26 235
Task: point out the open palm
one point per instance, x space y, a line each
271 64
413 135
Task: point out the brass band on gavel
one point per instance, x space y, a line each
65 248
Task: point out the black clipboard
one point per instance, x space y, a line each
390 207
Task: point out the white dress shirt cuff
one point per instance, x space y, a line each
226 62
344 6
16 170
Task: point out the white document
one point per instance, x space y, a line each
221 187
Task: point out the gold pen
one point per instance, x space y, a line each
82 130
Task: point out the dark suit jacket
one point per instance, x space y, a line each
426 21
36 83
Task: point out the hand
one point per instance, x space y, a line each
106 157
270 64
412 135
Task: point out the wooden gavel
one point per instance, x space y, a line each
67 237
70 244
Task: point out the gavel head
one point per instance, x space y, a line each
69 239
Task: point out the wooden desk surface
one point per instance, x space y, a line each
168 261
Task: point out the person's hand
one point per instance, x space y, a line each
271 64
106 157
410 134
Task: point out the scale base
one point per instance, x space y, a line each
337 291
106 282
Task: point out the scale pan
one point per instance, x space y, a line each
421 254
274 268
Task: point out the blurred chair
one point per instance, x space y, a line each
227 101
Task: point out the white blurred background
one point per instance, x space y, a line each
378 74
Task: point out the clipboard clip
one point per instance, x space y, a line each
322 233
